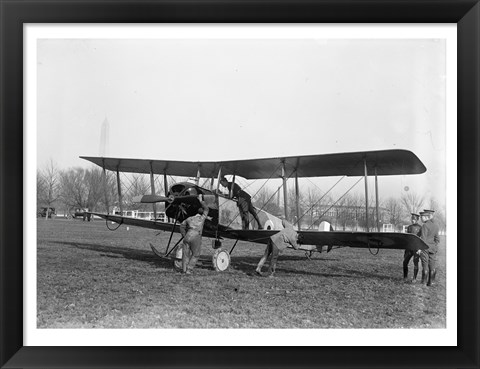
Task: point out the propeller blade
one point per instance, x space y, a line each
150 199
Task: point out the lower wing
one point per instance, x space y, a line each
374 240
146 223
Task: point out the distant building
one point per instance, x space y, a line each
350 217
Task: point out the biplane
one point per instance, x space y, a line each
181 199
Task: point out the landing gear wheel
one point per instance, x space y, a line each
221 260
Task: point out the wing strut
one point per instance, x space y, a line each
297 200
218 178
366 193
119 187
165 183
284 179
235 244
152 190
376 199
173 228
105 186
230 194
197 178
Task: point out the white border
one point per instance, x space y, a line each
241 337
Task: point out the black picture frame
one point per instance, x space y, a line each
14 14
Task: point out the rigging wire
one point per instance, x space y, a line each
321 198
273 172
326 211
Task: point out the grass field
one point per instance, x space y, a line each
90 277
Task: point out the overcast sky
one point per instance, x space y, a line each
232 99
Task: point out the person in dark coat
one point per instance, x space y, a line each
244 202
415 229
430 234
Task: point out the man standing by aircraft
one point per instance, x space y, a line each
191 229
244 202
430 234
276 244
415 229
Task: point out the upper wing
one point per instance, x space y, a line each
383 162
374 240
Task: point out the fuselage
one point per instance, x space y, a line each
223 211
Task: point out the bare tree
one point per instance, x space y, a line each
292 204
99 192
265 199
48 181
138 186
343 214
85 188
312 203
41 189
440 213
394 210
73 188
411 202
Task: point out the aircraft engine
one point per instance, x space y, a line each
184 202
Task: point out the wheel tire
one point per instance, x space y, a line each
221 260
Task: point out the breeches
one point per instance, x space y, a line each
424 259
243 207
246 207
194 242
432 260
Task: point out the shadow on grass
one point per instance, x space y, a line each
248 264
118 251
245 264
133 254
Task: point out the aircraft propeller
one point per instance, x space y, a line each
172 199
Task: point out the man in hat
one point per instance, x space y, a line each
277 243
415 229
244 202
430 234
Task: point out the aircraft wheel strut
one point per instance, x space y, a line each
221 260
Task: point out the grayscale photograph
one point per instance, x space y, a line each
241 183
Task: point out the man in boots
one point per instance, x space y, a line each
244 202
430 234
191 229
276 245
415 229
